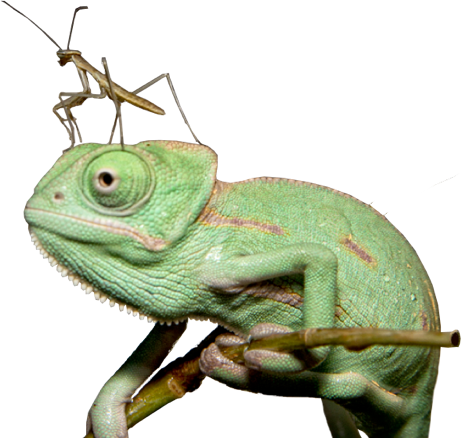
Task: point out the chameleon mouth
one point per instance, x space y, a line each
114 227
88 288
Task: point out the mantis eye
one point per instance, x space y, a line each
117 181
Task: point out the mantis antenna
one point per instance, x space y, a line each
72 25
117 93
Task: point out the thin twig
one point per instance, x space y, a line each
183 375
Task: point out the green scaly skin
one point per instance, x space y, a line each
149 227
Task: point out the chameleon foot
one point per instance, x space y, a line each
108 420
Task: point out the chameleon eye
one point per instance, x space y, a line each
106 180
117 181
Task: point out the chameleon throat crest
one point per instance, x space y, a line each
100 296
88 288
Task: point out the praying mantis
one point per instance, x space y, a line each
107 87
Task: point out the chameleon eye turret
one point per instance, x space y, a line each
116 182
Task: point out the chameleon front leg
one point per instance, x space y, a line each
319 266
106 418
274 372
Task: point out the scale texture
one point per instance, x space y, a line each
149 228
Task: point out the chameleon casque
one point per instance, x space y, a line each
150 227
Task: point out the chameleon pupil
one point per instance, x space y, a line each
106 179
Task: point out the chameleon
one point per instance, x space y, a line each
150 228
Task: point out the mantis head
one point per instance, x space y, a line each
66 55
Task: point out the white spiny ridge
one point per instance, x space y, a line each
88 289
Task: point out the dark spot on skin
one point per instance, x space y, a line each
211 217
424 317
409 390
58 197
412 389
357 250
339 311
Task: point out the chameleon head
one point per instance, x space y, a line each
105 215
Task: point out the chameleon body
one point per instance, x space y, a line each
149 227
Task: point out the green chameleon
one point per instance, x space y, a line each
150 227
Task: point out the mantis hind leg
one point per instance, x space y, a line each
74 99
113 96
172 89
118 104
